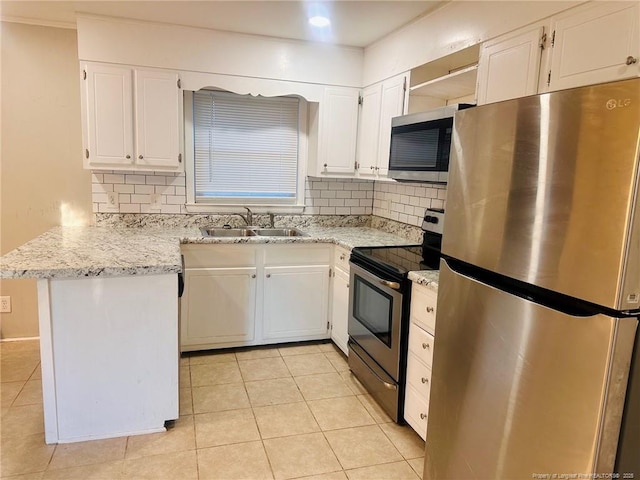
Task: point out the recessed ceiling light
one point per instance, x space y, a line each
319 21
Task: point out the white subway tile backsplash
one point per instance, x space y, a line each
139 179
143 189
174 199
406 203
112 178
172 209
156 180
140 198
397 201
130 208
122 188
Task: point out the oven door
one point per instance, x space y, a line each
375 313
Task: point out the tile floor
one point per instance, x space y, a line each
283 413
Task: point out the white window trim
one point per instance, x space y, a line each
189 167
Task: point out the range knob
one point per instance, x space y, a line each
430 219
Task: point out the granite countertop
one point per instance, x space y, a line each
72 252
428 278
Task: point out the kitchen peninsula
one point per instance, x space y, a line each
108 315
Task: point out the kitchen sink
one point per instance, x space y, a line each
279 232
227 232
251 232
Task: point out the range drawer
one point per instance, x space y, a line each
419 376
421 344
341 258
423 307
416 412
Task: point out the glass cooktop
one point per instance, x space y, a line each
396 260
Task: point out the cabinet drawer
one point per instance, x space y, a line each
419 376
415 412
341 258
291 254
421 344
229 255
423 307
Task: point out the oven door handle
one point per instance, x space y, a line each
387 385
387 283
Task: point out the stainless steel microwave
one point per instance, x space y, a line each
421 143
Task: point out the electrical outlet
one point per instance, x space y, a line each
5 304
112 199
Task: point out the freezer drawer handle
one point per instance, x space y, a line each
429 309
426 345
422 416
425 380
387 283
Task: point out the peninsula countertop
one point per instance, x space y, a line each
74 252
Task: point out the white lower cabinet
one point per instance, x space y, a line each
295 302
420 358
220 305
239 295
340 310
340 299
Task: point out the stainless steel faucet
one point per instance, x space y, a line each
248 218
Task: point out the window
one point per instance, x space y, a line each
246 149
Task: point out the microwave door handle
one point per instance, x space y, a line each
387 283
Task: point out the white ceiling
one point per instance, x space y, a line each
354 22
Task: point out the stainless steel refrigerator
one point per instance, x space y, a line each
539 293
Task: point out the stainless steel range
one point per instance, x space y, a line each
379 311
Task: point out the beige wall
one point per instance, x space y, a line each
42 182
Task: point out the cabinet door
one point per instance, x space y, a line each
109 116
340 310
296 302
218 306
157 119
339 128
368 130
509 66
592 44
392 105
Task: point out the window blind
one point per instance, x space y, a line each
245 147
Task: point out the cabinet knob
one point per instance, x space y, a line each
425 380
140 157
422 416
128 157
372 167
342 256
426 345
631 60
325 165
268 275
429 309
253 276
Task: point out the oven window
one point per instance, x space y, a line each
373 308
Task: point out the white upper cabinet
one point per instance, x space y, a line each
394 103
509 66
595 43
109 115
380 103
338 126
157 113
368 131
129 127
